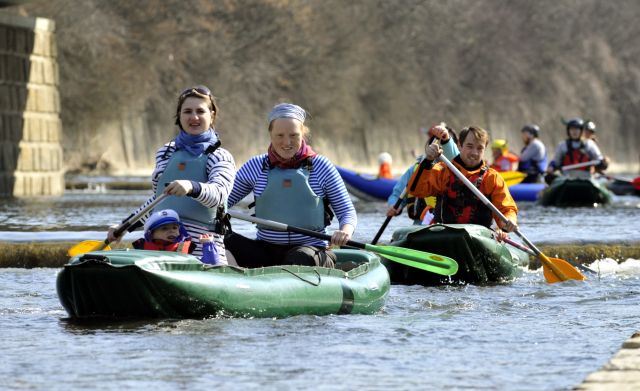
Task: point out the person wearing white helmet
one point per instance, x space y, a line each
385 161
590 131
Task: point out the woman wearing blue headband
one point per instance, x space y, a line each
292 185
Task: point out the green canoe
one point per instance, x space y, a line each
481 259
160 284
565 191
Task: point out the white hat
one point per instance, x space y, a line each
384 157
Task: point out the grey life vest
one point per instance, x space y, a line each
184 165
289 199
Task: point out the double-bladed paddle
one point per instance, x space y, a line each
419 259
554 269
97 245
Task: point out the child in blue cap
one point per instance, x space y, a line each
163 231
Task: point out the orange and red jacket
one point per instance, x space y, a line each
438 181
181 247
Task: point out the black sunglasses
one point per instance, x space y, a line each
197 89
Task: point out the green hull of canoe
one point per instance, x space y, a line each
159 284
565 192
481 260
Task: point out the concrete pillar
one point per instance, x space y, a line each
31 161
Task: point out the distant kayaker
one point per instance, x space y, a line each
417 208
456 203
293 185
533 157
503 159
590 131
194 165
384 162
574 150
163 231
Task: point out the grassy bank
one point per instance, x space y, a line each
54 254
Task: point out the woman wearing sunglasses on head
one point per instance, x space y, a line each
194 171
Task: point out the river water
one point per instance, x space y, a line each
524 335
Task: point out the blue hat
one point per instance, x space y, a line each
160 218
287 110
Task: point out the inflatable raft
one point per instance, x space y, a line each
481 259
565 191
371 188
159 284
367 187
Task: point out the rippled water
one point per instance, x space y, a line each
526 335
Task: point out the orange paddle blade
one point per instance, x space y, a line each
556 270
87 246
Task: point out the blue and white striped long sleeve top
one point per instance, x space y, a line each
324 180
221 170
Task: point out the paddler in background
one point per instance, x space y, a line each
575 149
503 159
533 157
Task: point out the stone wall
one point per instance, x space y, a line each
30 128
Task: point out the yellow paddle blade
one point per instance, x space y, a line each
557 270
87 246
512 177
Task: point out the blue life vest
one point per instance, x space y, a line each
184 165
289 199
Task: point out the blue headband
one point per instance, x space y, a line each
287 110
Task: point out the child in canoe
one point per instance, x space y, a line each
456 203
163 231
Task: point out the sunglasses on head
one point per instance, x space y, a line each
197 89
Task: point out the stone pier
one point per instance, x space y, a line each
621 373
30 128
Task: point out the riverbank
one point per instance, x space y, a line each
621 373
54 254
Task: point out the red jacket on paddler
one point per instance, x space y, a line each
456 203
163 231
575 155
157 245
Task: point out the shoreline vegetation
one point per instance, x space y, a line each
54 254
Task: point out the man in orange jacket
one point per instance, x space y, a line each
456 203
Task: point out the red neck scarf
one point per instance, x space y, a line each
296 161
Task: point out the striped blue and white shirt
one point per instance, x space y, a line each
221 170
324 180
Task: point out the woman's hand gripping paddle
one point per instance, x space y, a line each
554 269
419 259
97 245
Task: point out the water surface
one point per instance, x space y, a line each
524 335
